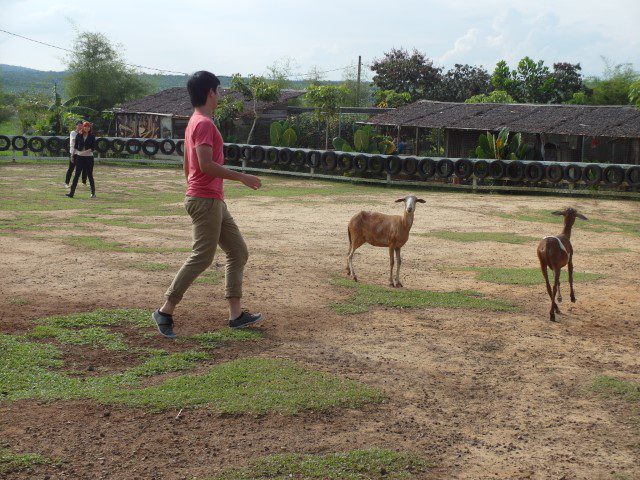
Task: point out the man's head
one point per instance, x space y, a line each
203 89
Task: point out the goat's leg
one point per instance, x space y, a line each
352 272
554 306
570 267
391 283
398 263
545 274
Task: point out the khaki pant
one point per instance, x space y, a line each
213 225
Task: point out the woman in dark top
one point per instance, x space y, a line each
85 144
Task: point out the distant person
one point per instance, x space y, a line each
84 146
213 225
72 155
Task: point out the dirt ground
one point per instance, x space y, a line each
482 394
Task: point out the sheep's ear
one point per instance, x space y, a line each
558 212
579 215
400 200
419 200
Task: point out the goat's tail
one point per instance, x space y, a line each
349 236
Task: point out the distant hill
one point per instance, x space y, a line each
15 79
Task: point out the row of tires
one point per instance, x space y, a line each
428 168
343 162
131 146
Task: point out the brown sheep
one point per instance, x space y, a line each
555 253
382 230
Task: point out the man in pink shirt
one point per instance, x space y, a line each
213 225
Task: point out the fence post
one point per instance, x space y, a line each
244 164
312 171
389 178
474 184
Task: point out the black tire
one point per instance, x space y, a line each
167 146
463 168
246 152
285 156
376 164
426 168
102 145
632 176
271 156
53 144
592 174
5 143
497 169
150 147
117 145
410 166
313 158
533 172
329 161
19 143
445 168
180 147
613 175
555 173
133 146
233 152
299 158
345 162
36 144
393 165
257 154
481 169
573 173
360 163
515 170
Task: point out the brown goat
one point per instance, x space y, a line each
555 253
382 230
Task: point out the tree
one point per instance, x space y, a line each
497 96
63 115
228 111
391 99
502 79
462 82
567 81
280 72
255 89
327 100
634 93
97 69
614 86
531 82
413 74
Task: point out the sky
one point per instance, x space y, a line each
248 36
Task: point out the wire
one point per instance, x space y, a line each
71 51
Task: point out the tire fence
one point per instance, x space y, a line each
465 173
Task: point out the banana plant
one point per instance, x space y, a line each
500 147
365 141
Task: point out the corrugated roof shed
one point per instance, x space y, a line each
175 101
591 120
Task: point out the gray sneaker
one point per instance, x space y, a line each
164 322
245 319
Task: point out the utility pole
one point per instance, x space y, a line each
358 84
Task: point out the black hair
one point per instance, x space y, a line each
79 122
199 85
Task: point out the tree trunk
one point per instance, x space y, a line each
253 125
326 137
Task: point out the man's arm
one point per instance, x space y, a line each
211 168
185 166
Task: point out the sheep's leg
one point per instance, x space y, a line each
391 283
573 293
398 263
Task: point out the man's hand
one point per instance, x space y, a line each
251 181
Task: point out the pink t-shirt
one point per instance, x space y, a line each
202 131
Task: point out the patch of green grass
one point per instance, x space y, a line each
526 276
101 318
97 243
613 250
210 277
116 222
18 462
612 387
367 296
151 266
467 237
210 340
162 362
18 301
94 336
353 465
252 385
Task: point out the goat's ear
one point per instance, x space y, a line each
419 200
579 215
558 212
400 200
